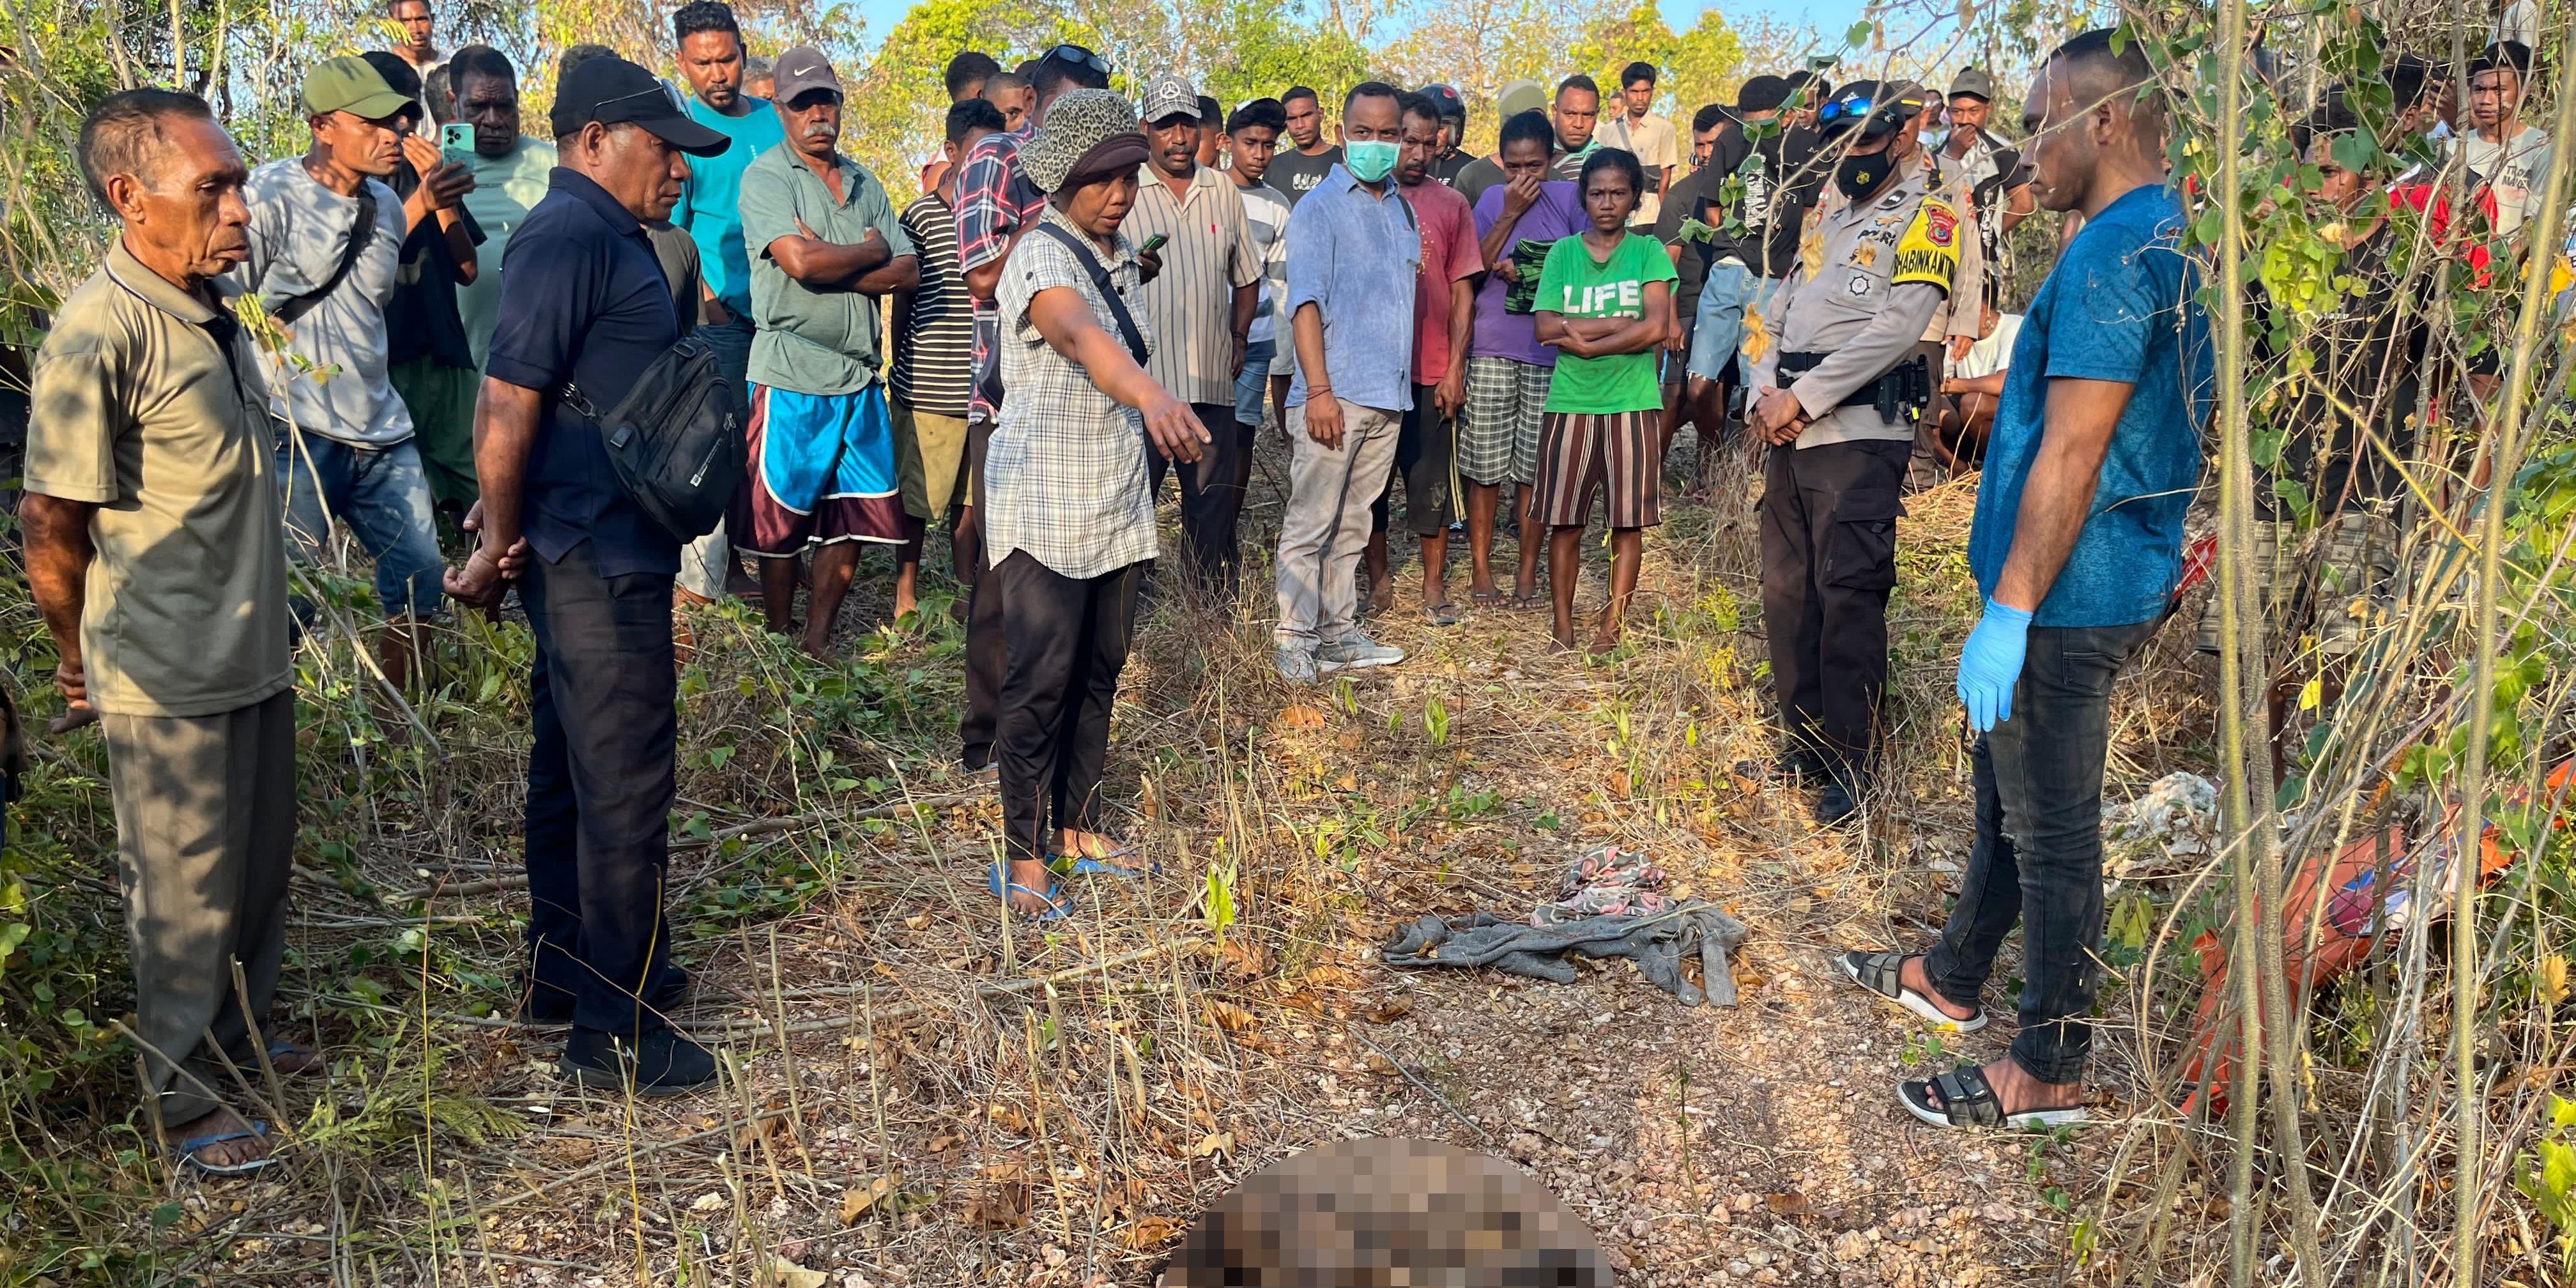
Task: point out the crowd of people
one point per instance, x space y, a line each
1089 293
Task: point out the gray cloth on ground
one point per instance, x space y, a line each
1657 944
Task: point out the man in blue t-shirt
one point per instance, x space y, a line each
712 58
2076 545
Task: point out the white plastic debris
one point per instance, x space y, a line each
2176 818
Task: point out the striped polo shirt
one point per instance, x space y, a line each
1191 302
934 335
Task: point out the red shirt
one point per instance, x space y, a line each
1449 254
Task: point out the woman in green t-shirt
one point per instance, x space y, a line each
1605 302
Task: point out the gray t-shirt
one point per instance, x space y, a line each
2517 170
298 232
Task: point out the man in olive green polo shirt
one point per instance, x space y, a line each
155 545
824 245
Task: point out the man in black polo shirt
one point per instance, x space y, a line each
584 301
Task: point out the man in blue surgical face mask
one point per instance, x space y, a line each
1354 247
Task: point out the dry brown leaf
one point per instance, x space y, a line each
1301 716
918 922
1387 1010
944 1141
1006 1208
779 1272
1331 976
1008 1117
1787 1203
1149 1233
855 1202
1228 1016
1213 1144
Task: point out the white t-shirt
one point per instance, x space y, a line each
2520 22
1265 214
298 232
2517 170
1990 354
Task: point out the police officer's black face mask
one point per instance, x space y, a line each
1860 174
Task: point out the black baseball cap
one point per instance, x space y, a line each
1877 107
612 91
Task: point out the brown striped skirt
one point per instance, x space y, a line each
1620 453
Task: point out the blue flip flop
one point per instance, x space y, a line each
1000 885
188 1151
1091 867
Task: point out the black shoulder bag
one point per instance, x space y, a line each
361 235
991 386
676 439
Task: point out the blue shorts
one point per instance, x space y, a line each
1719 330
383 495
1252 388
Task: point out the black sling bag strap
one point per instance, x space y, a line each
360 236
992 382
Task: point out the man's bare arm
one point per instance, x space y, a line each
902 273
824 266
2058 495
58 554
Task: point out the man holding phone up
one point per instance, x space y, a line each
1200 308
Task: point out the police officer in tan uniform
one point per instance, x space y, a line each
1838 384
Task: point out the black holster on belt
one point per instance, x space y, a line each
1900 395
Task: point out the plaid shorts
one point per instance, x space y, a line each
1498 428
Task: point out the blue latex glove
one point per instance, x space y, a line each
1991 663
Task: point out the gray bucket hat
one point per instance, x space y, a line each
1077 123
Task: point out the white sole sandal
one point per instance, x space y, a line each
1883 974
1967 1100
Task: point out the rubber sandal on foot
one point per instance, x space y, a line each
1002 888
1968 1100
1881 973
258 1131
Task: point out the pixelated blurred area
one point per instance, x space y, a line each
1389 1211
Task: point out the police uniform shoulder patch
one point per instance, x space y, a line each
1929 250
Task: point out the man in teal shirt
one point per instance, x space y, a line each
710 207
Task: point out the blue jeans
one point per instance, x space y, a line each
2037 858
383 495
1719 328
1253 386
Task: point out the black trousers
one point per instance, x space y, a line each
1424 447
1828 561
2038 854
600 787
1212 491
984 651
1067 641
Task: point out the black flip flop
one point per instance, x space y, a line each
1443 613
1882 973
1968 1100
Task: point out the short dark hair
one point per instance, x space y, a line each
122 127
1210 115
478 60
1708 118
1000 81
967 115
1258 113
399 75
1052 74
2411 77
1531 125
2330 118
1418 104
2102 71
1764 93
1619 159
702 16
392 5
2503 55
1374 89
1635 72
439 90
1816 87
1577 81
1296 92
969 68
577 55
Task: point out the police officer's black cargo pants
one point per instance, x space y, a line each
1828 561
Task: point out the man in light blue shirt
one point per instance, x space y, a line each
1354 250
710 208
